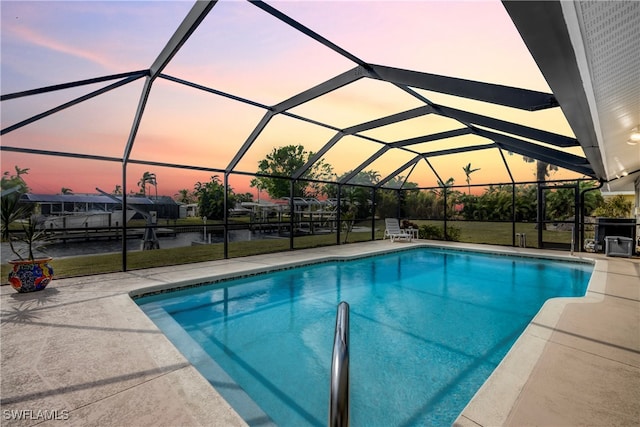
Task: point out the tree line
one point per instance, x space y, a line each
495 204
274 172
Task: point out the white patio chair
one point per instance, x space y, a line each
393 230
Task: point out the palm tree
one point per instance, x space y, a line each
143 184
543 169
148 178
468 171
373 176
440 194
66 190
154 182
184 196
448 183
20 171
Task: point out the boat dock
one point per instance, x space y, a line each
105 234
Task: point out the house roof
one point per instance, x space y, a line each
87 198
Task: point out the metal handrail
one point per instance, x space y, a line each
339 397
573 239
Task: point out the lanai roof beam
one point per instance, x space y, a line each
523 99
250 140
307 31
459 150
69 85
397 171
394 118
309 94
432 137
513 128
321 89
196 15
189 24
538 152
337 137
364 164
73 102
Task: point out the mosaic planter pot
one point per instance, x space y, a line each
30 275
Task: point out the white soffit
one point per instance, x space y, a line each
606 41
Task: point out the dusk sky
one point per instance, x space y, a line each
241 50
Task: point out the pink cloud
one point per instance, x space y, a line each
30 35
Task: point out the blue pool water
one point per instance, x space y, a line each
428 327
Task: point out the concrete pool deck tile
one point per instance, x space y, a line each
84 346
89 351
609 337
66 337
544 323
178 408
556 394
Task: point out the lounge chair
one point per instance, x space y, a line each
393 230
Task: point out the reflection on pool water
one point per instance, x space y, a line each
428 326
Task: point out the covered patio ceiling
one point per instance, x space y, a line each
433 126
589 53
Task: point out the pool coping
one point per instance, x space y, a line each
137 338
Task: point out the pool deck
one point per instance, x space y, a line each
83 352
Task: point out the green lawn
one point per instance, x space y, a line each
106 263
495 233
471 232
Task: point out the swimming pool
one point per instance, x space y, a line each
428 326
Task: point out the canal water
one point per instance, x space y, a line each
89 247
